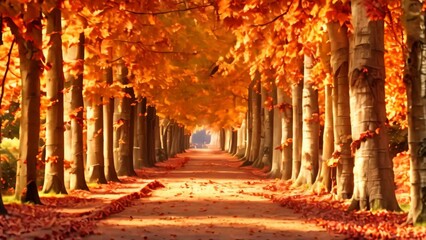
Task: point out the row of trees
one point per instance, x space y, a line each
91 110
323 74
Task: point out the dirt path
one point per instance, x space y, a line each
206 200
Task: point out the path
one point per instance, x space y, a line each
206 200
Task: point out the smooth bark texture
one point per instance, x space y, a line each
95 157
269 132
150 121
296 93
276 141
54 168
259 159
123 138
108 127
310 145
339 43
241 139
286 134
76 172
30 54
159 151
256 124
374 186
323 181
415 80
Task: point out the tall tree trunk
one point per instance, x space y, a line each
374 186
249 122
286 110
95 158
54 168
256 124
415 80
150 120
30 54
310 145
123 138
269 132
77 173
276 141
323 181
222 139
108 127
339 42
241 139
258 163
297 90
159 156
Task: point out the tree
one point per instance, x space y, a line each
374 186
77 171
310 144
414 79
108 127
30 56
54 169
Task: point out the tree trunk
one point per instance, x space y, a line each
54 168
310 146
159 156
286 112
415 80
95 159
323 181
150 120
30 54
123 138
258 163
339 42
241 140
256 124
276 141
297 90
269 131
374 186
108 127
77 173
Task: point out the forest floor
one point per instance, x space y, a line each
204 194
208 198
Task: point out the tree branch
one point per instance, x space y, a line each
5 72
274 19
169 11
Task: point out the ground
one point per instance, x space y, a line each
204 194
207 199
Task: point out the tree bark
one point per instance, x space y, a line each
374 186
123 138
95 158
339 43
276 141
323 182
241 139
297 90
77 173
54 168
108 127
415 80
30 54
310 146
286 112
150 120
